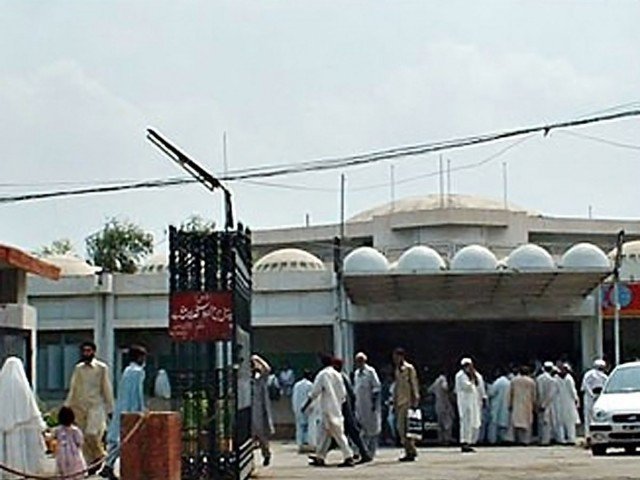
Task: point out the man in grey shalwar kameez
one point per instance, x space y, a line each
368 408
261 419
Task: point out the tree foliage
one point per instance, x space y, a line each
196 223
119 246
62 246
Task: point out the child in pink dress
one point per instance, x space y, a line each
69 458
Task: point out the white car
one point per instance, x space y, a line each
616 413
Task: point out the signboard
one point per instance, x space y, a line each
200 316
629 294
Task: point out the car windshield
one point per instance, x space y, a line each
624 380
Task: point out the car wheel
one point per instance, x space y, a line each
598 450
630 450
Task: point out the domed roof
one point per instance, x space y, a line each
71 265
366 260
585 256
630 251
290 260
156 263
530 257
474 257
420 259
433 202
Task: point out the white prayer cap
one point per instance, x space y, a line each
361 356
466 361
599 363
548 365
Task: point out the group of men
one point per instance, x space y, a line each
92 401
505 410
336 407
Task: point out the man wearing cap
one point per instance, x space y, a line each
406 394
368 410
547 389
567 406
470 395
592 385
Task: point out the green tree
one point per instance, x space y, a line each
119 246
196 223
62 246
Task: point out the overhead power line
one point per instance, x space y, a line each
337 162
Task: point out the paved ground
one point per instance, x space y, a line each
449 464
496 463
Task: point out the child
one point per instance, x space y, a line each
69 458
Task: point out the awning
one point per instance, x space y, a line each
11 257
485 287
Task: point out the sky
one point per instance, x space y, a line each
289 81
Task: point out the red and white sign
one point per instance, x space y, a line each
629 294
201 316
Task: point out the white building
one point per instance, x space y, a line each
441 300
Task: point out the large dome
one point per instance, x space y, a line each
366 260
71 265
585 256
290 260
474 258
420 259
434 202
530 257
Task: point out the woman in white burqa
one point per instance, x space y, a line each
21 443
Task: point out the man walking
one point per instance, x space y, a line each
130 399
523 404
444 410
547 391
261 418
301 390
470 394
328 388
567 405
368 409
592 385
499 393
406 394
91 399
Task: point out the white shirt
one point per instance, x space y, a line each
329 389
301 391
593 379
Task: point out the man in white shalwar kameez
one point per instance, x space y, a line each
547 388
368 411
567 407
592 385
499 393
301 390
21 443
470 395
330 392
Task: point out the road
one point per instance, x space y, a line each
449 464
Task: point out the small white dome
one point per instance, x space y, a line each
630 251
366 260
585 256
420 259
71 265
530 257
474 257
156 263
288 260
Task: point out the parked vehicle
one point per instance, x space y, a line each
616 413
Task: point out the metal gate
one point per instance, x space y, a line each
210 324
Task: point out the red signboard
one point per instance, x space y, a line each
629 294
200 316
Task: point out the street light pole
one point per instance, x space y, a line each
616 294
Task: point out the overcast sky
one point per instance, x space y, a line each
299 80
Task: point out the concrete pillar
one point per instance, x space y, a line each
103 334
589 336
